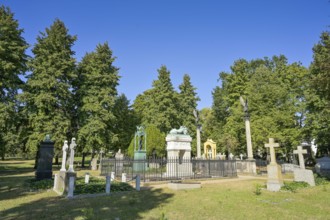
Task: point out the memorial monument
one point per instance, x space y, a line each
274 171
45 159
301 174
179 153
140 149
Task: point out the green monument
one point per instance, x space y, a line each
140 149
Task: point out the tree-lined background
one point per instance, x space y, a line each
51 93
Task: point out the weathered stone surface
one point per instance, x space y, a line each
275 180
302 175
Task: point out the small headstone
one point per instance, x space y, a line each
231 156
241 156
275 180
86 178
113 176
55 181
123 177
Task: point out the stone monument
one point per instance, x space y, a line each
323 166
119 161
210 149
45 159
140 149
303 175
198 134
275 180
63 177
247 128
179 153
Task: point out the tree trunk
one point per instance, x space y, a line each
56 159
83 160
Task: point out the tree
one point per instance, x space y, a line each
48 91
96 89
125 123
318 93
187 104
12 65
162 110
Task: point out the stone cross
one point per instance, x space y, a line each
64 149
271 146
300 153
72 147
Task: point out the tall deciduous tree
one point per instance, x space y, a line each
12 64
318 117
97 82
48 93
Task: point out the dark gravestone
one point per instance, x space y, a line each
45 160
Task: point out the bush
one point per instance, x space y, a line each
97 185
39 184
294 186
321 180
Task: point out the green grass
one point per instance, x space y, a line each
215 200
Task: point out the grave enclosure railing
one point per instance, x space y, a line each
162 169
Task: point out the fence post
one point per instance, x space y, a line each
137 182
108 185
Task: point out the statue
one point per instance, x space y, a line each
140 137
182 130
64 149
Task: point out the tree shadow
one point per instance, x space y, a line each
130 205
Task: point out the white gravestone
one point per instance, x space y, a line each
72 148
301 174
179 155
275 180
64 149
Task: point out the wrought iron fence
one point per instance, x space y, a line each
161 169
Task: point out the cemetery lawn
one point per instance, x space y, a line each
219 199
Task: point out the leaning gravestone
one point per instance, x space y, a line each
275 180
301 174
178 153
45 159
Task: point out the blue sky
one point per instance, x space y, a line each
200 38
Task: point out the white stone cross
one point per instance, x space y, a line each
72 147
271 146
64 149
300 153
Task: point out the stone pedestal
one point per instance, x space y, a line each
302 175
45 160
275 180
178 155
62 185
140 161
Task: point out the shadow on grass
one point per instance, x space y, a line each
13 187
130 205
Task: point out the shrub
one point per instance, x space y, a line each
321 180
97 185
294 186
257 190
34 184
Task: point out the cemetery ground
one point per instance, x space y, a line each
236 198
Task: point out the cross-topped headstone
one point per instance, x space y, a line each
271 146
300 153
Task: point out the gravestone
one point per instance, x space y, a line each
179 153
322 166
45 159
274 180
94 164
301 174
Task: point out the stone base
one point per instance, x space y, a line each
275 180
62 185
302 175
180 186
140 161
